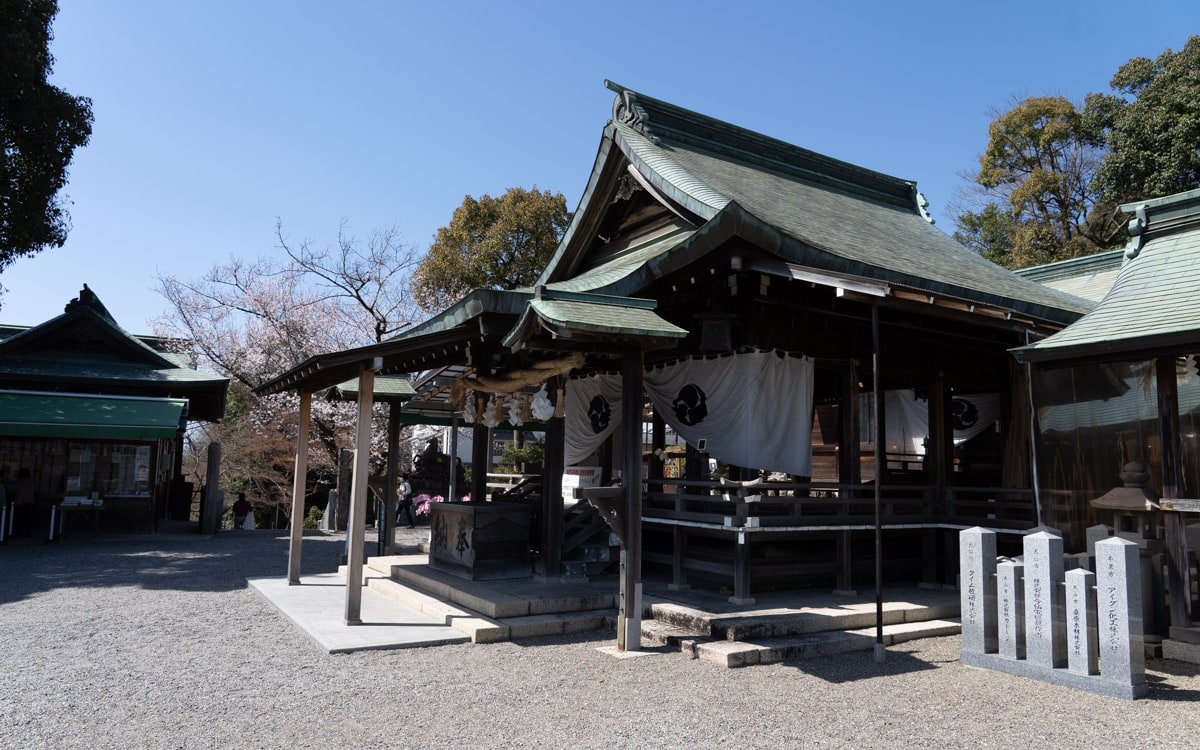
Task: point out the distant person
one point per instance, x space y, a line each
22 498
241 509
405 502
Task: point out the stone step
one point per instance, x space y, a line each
534 626
480 629
783 623
1185 635
1182 644
765 651
542 598
678 616
488 615
658 633
484 629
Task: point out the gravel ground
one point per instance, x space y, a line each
157 643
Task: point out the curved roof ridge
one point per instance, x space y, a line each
660 120
666 174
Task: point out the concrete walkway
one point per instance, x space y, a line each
318 606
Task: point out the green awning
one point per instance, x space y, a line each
71 415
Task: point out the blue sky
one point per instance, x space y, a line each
214 119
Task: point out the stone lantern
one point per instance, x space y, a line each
1138 518
1135 509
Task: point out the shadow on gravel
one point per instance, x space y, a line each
1171 667
597 637
199 563
858 665
1159 674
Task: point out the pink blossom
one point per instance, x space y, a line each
424 502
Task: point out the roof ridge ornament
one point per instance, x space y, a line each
923 206
627 110
88 298
1137 231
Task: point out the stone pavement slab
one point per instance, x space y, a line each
318 605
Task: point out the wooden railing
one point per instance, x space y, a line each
799 505
746 513
503 482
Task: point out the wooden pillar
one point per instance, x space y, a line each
177 460
455 490
658 442
214 497
845 564
849 437
629 631
299 487
939 456
606 460
849 469
1168 424
481 459
880 458
939 453
356 530
342 509
741 570
553 465
1178 573
387 524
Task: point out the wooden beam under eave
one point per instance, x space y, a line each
969 308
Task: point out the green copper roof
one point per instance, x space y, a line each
570 314
667 174
387 388
808 209
1089 277
619 265
79 369
846 233
1152 306
84 350
605 318
475 303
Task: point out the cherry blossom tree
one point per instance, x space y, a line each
254 320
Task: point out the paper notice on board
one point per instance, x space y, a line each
142 464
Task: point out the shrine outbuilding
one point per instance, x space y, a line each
96 417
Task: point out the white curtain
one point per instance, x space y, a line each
593 411
752 410
907 418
